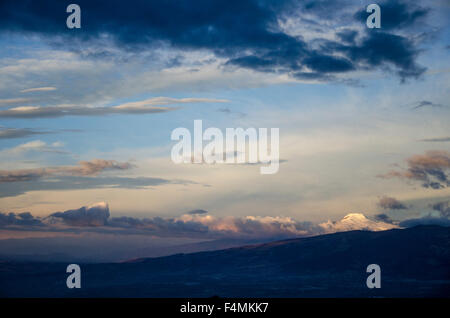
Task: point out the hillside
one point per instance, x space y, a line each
415 262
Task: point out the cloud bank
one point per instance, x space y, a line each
96 218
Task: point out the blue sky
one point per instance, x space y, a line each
363 113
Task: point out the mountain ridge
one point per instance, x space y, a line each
415 262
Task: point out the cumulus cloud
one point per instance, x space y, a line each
96 218
430 168
84 168
94 215
18 219
389 203
148 106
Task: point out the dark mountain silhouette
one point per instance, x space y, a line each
415 262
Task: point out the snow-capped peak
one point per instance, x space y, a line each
356 221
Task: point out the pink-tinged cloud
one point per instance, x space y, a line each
430 168
96 218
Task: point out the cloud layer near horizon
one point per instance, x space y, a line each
194 224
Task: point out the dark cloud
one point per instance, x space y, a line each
390 203
230 112
10 133
18 219
430 168
161 227
84 168
384 50
246 33
95 215
442 219
9 189
96 218
199 211
427 220
443 208
347 36
384 218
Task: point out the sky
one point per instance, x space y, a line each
86 117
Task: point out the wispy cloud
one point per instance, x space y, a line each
148 106
67 183
438 139
84 168
426 103
9 133
36 145
8 101
230 112
195 225
39 89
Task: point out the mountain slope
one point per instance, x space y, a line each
414 262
